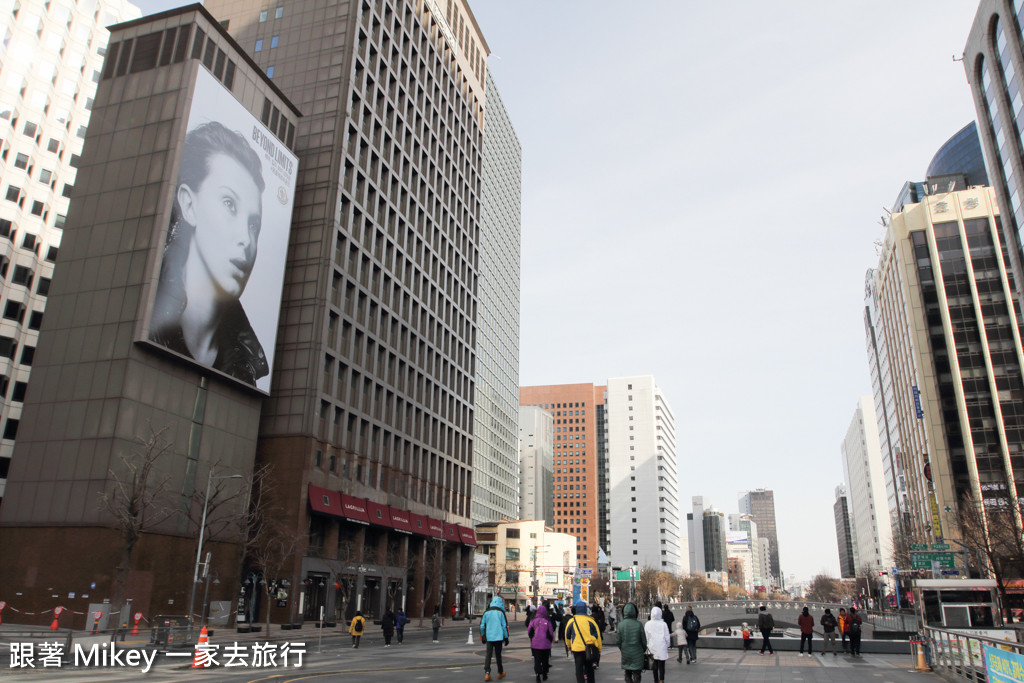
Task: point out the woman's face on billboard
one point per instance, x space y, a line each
226 210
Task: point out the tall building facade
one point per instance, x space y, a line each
865 486
760 505
747 543
643 479
574 408
994 62
366 414
495 453
844 534
892 363
536 464
52 57
695 531
945 284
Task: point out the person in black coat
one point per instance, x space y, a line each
387 623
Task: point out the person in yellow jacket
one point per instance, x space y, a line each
581 630
356 628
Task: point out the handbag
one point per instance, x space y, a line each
591 654
648 660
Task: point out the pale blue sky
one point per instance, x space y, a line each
702 185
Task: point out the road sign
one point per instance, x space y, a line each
951 572
586 572
622 575
584 581
940 546
919 546
925 560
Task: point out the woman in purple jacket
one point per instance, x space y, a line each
541 635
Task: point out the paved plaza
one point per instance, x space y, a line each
454 660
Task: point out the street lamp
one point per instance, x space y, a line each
199 550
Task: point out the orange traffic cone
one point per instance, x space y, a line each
135 629
201 661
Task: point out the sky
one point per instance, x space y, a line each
701 195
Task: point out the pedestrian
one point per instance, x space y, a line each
746 636
494 634
631 639
555 615
691 630
610 609
806 623
659 640
855 626
844 626
765 624
828 627
454 610
400 621
666 614
355 628
387 625
542 635
581 630
435 622
598 615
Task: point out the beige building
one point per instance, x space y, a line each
527 561
945 296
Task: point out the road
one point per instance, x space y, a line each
453 660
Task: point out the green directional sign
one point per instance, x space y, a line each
940 546
924 560
919 546
622 575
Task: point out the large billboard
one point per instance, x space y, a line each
218 296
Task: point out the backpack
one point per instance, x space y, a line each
691 623
769 621
358 626
435 621
854 628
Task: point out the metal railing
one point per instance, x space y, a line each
961 654
891 621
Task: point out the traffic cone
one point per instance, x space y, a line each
469 641
135 629
197 662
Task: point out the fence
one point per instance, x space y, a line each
959 653
891 621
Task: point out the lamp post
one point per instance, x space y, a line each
199 550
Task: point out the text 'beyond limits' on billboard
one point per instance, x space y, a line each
218 297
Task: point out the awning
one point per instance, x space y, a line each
325 501
451 533
418 524
354 509
467 536
378 514
435 527
401 520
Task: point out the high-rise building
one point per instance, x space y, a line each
536 464
865 486
52 57
708 533
643 481
747 542
760 505
994 62
695 531
844 535
362 399
495 454
947 308
574 408
890 341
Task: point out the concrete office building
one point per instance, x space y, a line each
574 408
367 410
643 478
844 535
536 464
962 405
758 567
527 561
52 57
760 505
957 165
496 458
865 486
707 528
121 391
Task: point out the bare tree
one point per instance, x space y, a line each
136 500
824 588
647 586
993 528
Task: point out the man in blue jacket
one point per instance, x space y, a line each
494 633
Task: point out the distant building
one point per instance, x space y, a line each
760 505
536 464
575 409
707 528
841 512
526 560
737 573
865 486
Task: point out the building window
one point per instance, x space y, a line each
43 286
45 175
21 161
511 554
273 42
270 72
511 533
30 129
263 16
37 210
22 276
259 46
11 429
35 320
53 145
13 193
19 391
28 354
14 310
8 347
279 13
